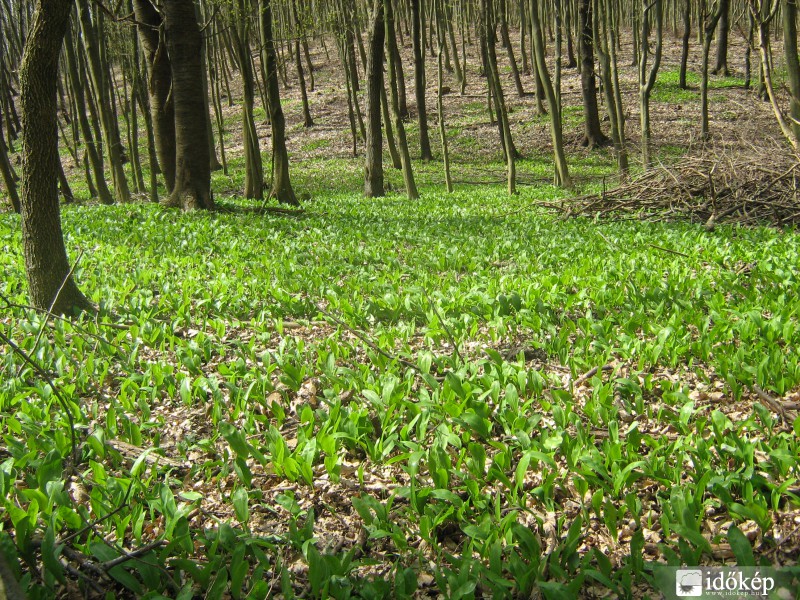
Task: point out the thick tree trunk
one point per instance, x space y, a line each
49 277
282 189
593 136
373 173
419 81
162 108
192 162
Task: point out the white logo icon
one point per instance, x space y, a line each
689 583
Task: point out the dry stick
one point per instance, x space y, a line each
110 564
54 387
774 403
591 373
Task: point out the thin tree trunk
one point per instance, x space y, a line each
419 81
489 24
282 189
687 32
440 33
405 158
562 172
101 88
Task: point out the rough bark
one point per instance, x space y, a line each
50 282
192 162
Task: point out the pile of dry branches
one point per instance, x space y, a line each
752 189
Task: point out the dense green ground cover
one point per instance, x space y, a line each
382 396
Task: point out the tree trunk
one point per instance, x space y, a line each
282 189
8 174
490 39
687 32
562 172
405 157
792 63
298 57
162 108
192 162
440 35
373 173
254 170
647 78
100 85
709 27
593 136
49 277
419 81
722 38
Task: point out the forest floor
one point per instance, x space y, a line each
464 396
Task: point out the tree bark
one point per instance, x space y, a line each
373 172
162 108
419 81
562 172
687 32
282 189
100 85
192 162
8 174
792 63
593 136
722 38
254 169
50 281
405 157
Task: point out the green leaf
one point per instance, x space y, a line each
741 548
240 505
